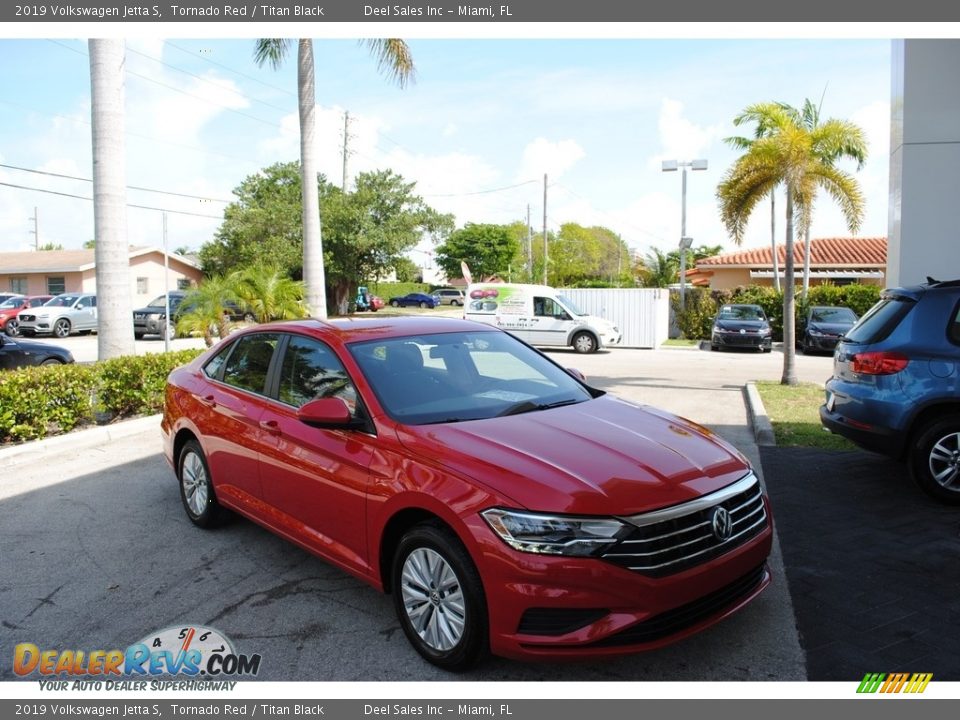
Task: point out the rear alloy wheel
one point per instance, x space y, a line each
196 488
439 598
454 303
583 342
422 304
51 361
935 459
61 328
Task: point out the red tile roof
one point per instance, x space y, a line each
824 252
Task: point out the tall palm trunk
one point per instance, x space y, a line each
789 376
773 241
114 302
313 273
806 262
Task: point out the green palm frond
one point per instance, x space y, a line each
272 51
393 58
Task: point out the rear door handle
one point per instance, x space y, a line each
209 401
270 426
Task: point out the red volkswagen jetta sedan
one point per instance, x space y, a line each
507 505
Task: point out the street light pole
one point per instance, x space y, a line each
685 241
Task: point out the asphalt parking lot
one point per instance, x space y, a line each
98 554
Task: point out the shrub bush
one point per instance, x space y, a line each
696 319
49 400
387 290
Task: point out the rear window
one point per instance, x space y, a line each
880 320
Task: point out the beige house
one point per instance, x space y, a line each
51 272
839 261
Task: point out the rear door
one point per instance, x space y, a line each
84 314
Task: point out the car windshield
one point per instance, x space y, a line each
62 301
832 315
741 312
453 377
12 303
570 305
160 302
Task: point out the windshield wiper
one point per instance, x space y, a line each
529 406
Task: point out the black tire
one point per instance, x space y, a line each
584 342
714 348
51 361
138 336
196 488
935 450
455 303
422 304
394 303
458 605
249 317
61 328
12 327
767 350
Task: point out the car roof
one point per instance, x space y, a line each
351 330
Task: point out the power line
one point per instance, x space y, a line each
88 199
230 69
129 187
483 192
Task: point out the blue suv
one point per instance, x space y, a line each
896 384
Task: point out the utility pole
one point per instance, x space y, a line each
166 289
36 228
346 152
529 244
545 251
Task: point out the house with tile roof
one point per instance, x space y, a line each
839 261
51 272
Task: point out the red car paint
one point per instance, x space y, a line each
345 494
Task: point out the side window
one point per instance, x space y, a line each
542 307
247 366
85 302
214 364
953 332
311 370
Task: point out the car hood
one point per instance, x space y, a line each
38 347
605 456
742 325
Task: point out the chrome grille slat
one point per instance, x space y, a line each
661 542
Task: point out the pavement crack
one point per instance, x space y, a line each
48 600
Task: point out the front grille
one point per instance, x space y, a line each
558 621
673 621
746 339
680 537
28 318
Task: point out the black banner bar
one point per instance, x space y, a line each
446 11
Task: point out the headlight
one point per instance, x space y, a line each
157 316
815 332
765 331
553 534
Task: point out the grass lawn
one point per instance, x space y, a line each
794 412
680 342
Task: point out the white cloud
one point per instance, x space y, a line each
553 158
681 138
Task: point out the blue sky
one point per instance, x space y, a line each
597 115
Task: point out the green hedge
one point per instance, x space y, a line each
49 400
701 305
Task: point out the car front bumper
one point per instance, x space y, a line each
544 607
743 340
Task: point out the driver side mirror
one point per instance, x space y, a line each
331 413
576 374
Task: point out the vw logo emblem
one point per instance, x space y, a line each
743 331
721 524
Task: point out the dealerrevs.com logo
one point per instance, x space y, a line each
204 655
911 683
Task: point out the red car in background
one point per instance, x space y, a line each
507 505
10 308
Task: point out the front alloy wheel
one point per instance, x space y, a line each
12 327
935 459
61 328
439 598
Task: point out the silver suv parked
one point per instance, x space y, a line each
450 296
60 316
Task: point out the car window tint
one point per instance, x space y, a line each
953 332
215 364
879 321
311 370
247 366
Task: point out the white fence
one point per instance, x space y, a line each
642 314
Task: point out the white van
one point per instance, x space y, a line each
538 315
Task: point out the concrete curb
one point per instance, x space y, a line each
757 415
78 440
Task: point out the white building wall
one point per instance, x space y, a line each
642 314
924 215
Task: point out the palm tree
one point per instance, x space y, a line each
114 308
393 56
204 309
657 268
792 155
744 143
269 294
849 141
